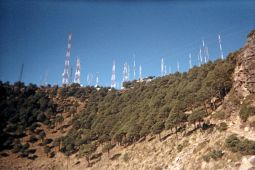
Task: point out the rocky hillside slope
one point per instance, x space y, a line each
206 143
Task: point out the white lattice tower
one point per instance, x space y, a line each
140 73
190 62
221 52
113 79
67 61
78 71
162 67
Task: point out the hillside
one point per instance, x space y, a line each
200 119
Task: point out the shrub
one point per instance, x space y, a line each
47 141
222 127
33 139
126 157
179 147
215 154
246 112
243 146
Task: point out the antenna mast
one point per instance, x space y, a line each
134 67
200 55
162 67
78 71
221 52
113 85
67 61
190 63
178 66
140 73
204 51
21 72
97 80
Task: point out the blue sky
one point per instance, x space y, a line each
35 33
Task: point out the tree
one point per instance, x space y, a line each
107 147
57 143
72 111
41 135
157 128
196 117
59 119
87 150
47 149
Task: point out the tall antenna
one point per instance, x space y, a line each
71 75
134 68
67 61
140 73
128 71
178 66
21 72
113 85
89 78
221 52
125 72
165 73
190 63
162 67
200 55
204 51
97 80
78 71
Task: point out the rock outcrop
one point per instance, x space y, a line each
244 74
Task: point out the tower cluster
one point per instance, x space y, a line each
203 57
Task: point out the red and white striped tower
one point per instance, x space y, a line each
113 85
78 71
67 61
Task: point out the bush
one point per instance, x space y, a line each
246 112
215 154
47 141
222 127
126 157
243 146
33 139
179 147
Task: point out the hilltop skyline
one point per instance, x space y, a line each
35 34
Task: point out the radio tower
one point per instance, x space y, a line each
178 66
200 55
113 85
140 73
21 72
162 67
78 71
134 67
97 81
190 63
221 52
67 61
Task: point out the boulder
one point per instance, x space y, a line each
246 164
252 160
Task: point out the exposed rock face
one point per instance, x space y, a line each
244 74
248 164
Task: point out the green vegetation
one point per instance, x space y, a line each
215 154
113 117
222 127
246 111
243 146
149 108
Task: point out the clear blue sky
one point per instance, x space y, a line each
35 33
